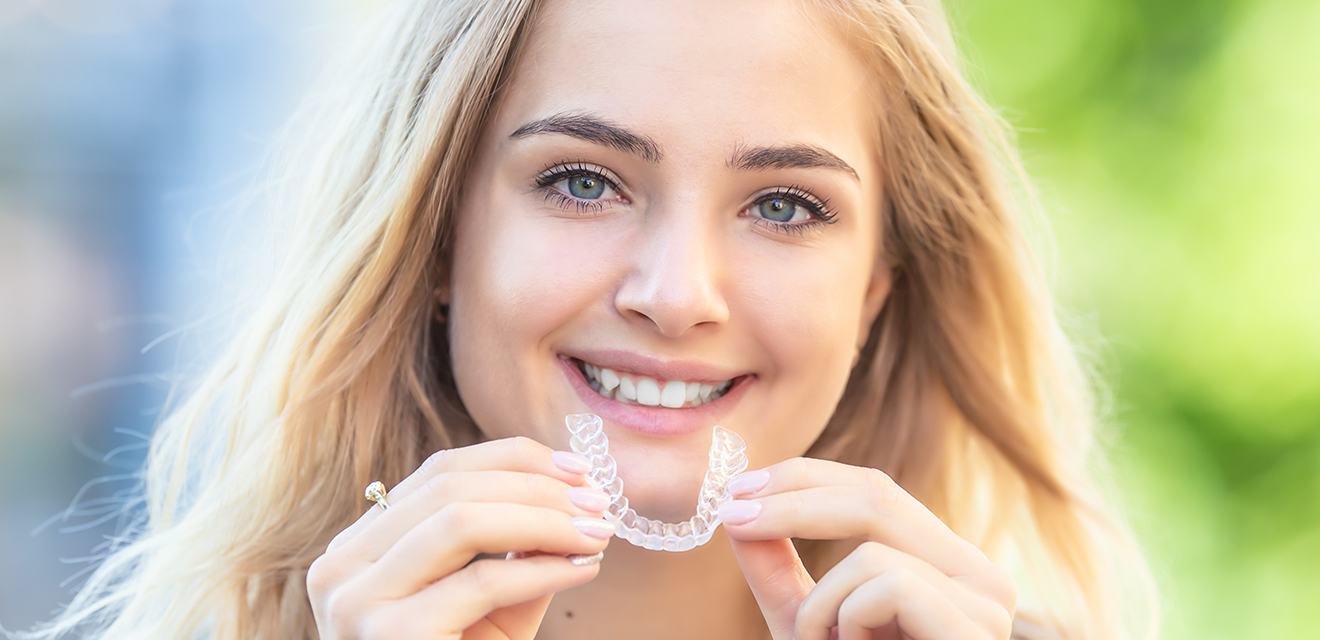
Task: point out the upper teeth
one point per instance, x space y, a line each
649 391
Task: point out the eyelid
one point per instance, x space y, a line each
818 208
797 191
558 170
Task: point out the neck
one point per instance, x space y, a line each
658 594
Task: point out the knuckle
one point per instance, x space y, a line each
343 611
795 502
381 624
1004 589
801 629
322 576
434 462
435 486
896 585
548 490
790 469
878 479
871 554
530 485
902 580
806 618
883 489
339 539
451 519
525 447
482 578
1001 623
483 581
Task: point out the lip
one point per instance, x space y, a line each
662 370
654 421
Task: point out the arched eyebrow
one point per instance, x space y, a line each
598 130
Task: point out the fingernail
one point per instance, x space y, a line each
581 560
750 482
594 527
588 498
571 462
739 511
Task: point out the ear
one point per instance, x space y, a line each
442 292
877 292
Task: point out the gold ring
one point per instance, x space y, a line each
376 493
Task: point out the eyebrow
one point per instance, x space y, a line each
597 130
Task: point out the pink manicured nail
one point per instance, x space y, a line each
750 482
571 462
739 511
594 527
588 498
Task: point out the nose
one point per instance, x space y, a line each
675 280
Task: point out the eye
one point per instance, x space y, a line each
583 186
778 210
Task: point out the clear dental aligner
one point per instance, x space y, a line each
728 458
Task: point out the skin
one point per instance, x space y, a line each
673 265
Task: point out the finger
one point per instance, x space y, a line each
449 539
822 499
509 454
777 578
465 486
820 609
460 600
902 598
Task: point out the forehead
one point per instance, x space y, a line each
697 76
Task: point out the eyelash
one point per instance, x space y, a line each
819 209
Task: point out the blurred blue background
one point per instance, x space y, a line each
1175 143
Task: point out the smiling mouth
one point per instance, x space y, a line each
630 388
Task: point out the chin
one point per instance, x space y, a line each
658 485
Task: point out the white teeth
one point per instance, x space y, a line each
648 392
626 389
672 395
608 379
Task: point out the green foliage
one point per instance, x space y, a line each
1177 144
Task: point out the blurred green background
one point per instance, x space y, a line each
1177 144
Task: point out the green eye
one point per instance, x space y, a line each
585 187
777 209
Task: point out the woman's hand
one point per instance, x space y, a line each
911 577
408 572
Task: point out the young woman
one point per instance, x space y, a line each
798 209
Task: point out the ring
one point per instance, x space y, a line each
376 493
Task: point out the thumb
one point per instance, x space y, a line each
778 579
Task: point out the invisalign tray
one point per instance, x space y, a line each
728 458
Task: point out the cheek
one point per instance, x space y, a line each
805 318
518 278
804 310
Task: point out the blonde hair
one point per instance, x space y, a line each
967 391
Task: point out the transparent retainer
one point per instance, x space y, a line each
728 458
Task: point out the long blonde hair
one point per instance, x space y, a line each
968 391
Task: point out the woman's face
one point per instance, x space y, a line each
643 199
